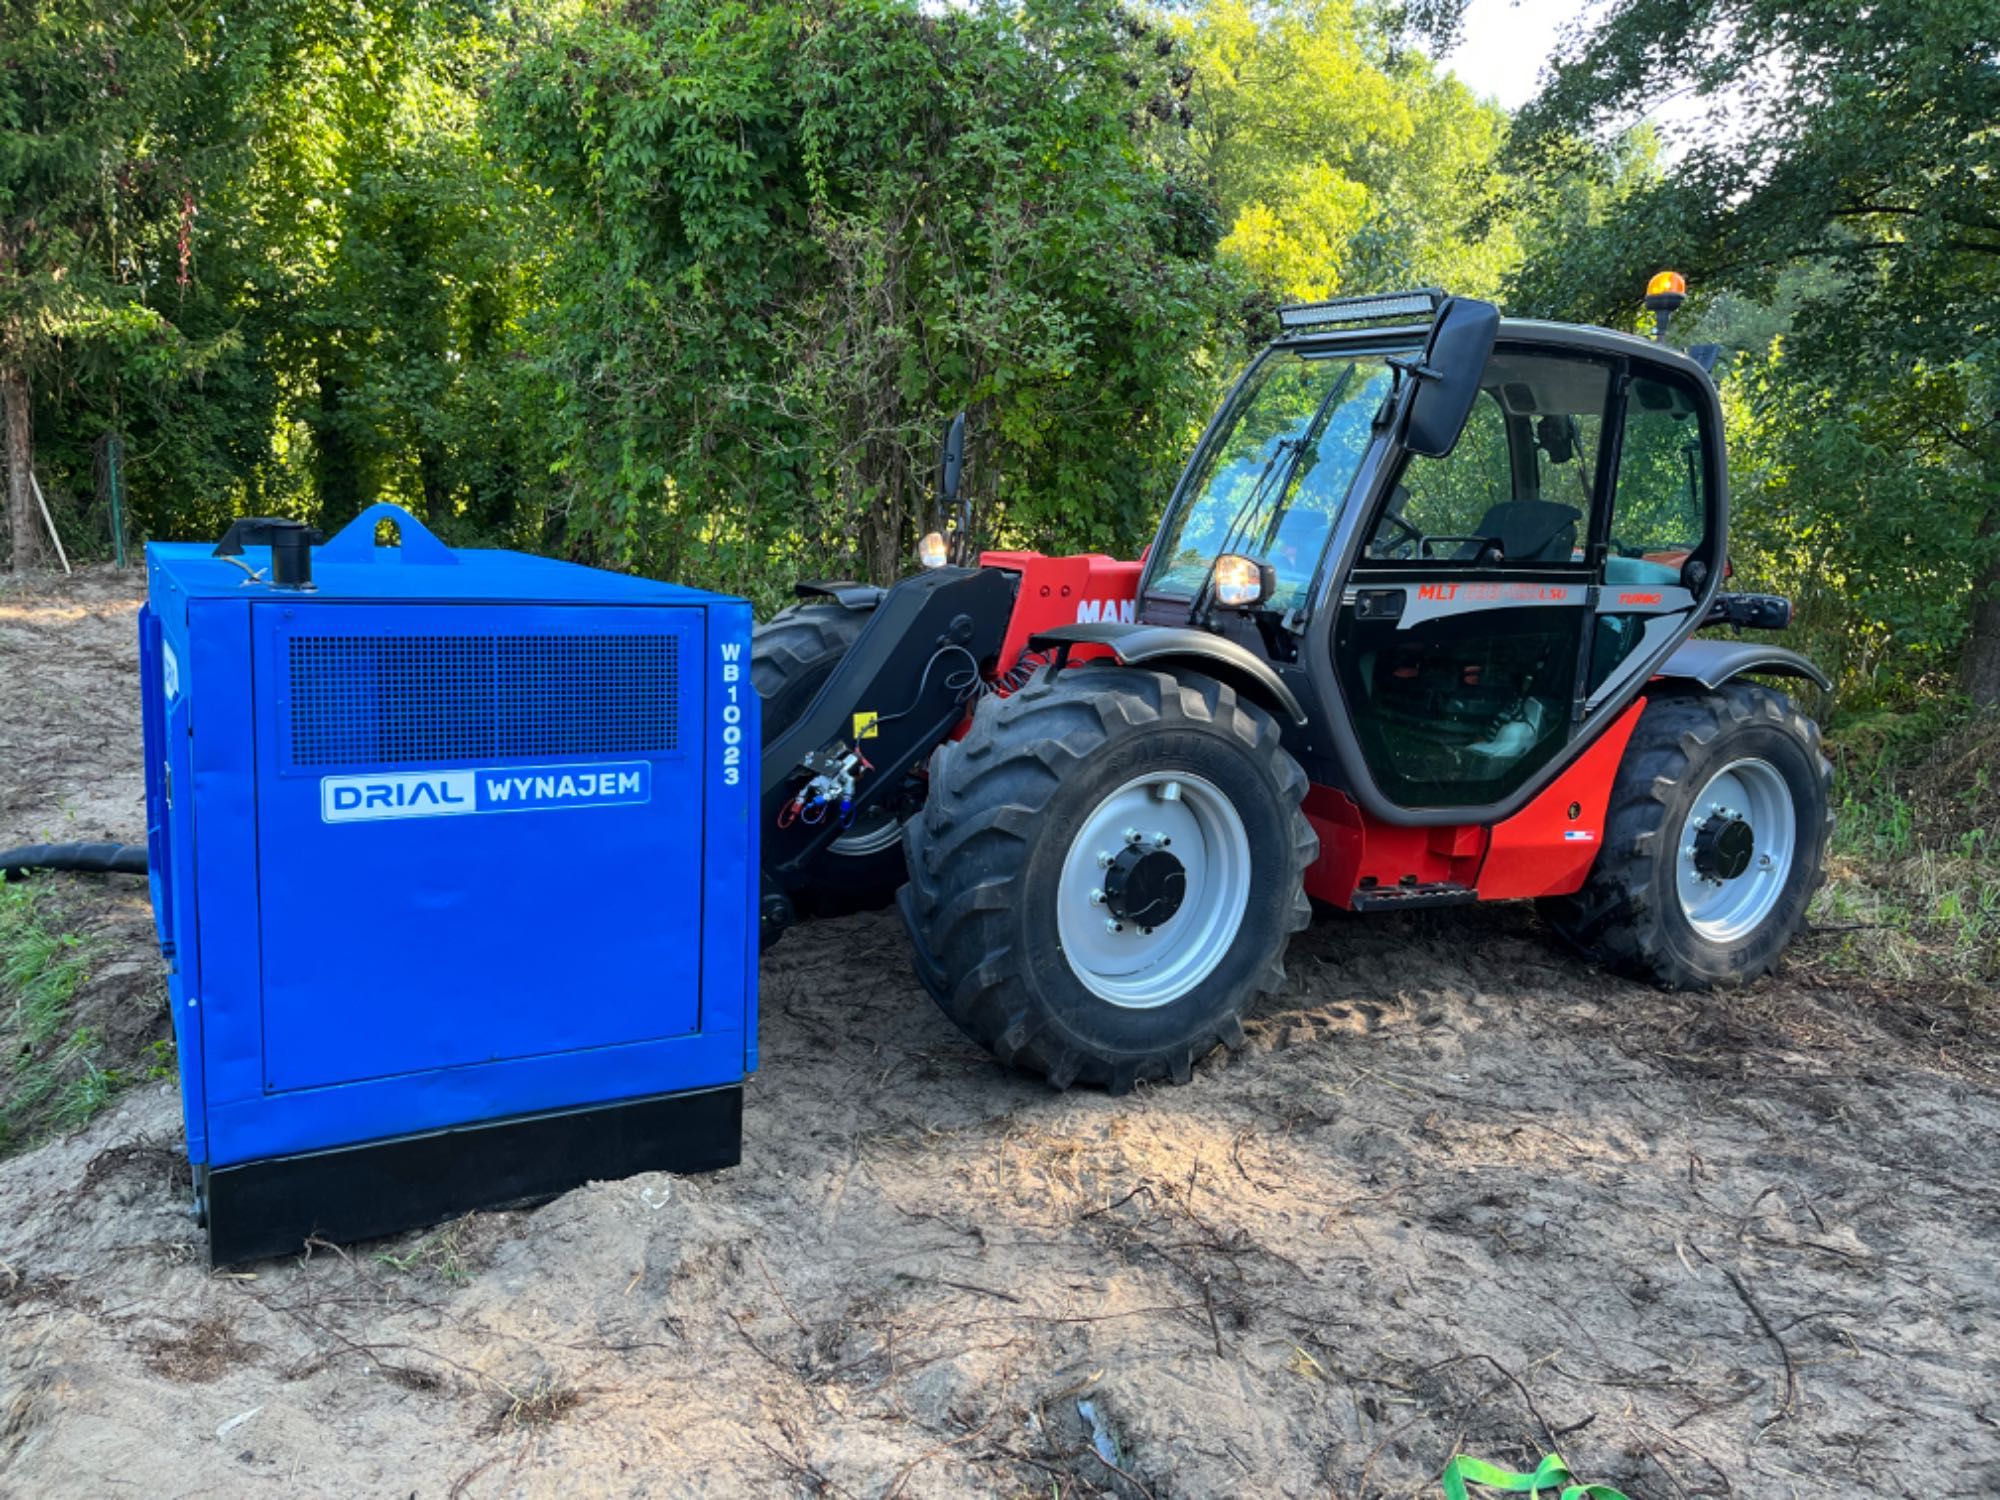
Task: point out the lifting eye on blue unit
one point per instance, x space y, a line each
291 543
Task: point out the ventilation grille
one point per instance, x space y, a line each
388 699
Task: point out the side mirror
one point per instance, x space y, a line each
953 462
1448 375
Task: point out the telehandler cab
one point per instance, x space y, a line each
1418 628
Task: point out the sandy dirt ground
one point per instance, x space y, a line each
1460 1190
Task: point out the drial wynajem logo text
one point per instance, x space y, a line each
438 794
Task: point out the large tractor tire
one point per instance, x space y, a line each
1106 873
791 656
1715 842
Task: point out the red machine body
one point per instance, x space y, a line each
1546 849
1079 590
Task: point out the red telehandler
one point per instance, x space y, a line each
1418 629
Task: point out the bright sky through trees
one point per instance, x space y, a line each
1505 43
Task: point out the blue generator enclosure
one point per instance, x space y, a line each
453 861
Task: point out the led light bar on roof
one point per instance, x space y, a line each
1422 303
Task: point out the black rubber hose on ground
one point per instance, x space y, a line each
96 859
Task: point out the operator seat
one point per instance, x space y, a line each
1528 531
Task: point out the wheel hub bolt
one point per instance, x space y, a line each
1097 898
1112 924
1132 835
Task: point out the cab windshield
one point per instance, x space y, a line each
1272 484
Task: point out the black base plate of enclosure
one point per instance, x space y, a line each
264 1208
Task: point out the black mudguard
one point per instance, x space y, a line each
1712 662
1162 645
859 596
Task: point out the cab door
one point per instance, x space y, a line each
1462 639
1659 538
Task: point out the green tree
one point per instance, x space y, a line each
275 258
376 247
1867 159
113 119
794 239
1340 161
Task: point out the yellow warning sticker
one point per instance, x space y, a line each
864 725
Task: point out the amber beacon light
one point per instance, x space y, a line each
1664 295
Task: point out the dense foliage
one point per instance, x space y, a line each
691 289
792 243
1842 210
1337 162
110 117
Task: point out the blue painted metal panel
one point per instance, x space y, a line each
152 709
221 837
552 866
409 1104
167 658
729 778
457 836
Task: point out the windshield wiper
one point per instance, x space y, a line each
1295 446
1308 436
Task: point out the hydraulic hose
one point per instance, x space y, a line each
98 859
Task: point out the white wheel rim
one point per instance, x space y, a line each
871 837
1140 969
1722 908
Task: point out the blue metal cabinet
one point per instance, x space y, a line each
453 861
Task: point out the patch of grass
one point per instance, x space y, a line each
165 1063
442 1253
1913 888
40 970
53 1080
79 1099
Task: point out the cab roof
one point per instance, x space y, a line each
1580 338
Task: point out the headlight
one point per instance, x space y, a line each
931 550
1241 582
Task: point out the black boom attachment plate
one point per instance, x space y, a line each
900 689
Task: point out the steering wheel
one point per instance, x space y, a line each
1408 538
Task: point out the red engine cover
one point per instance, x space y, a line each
1064 591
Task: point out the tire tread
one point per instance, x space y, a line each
988 793
1616 917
